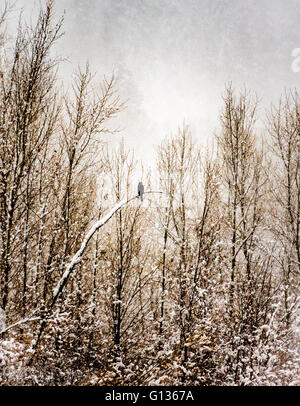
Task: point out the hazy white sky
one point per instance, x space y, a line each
173 58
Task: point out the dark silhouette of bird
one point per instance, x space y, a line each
141 190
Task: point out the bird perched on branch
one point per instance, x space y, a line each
141 190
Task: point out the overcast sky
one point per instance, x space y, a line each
173 58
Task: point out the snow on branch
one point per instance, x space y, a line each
75 260
77 257
18 323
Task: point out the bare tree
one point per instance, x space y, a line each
244 183
28 113
284 130
189 234
124 282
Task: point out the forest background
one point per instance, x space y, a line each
196 285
